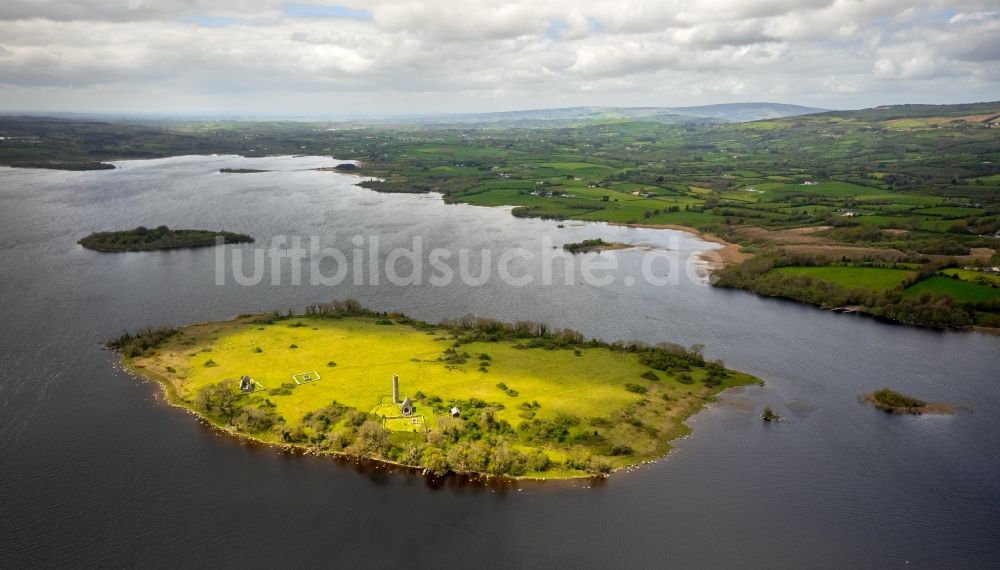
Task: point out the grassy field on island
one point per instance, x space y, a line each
560 408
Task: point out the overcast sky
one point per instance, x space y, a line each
419 56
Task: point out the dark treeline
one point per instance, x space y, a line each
241 170
137 343
475 442
585 245
60 165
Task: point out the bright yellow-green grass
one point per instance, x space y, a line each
356 358
416 423
875 278
971 276
368 354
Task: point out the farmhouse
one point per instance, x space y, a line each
246 384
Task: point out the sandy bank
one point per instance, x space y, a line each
729 254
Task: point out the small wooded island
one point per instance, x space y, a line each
889 400
241 170
63 165
465 396
596 244
161 237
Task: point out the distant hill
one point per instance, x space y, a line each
564 115
892 112
701 114
744 112
722 113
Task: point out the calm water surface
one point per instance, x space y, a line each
96 471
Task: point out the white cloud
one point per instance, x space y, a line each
908 64
972 17
432 55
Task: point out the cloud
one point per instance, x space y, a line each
131 10
906 64
976 40
326 11
972 17
432 55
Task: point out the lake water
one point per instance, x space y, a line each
96 471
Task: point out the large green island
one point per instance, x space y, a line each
161 237
471 396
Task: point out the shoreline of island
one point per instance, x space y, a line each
893 402
301 449
579 453
160 238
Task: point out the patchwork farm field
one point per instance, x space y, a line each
974 276
962 291
874 278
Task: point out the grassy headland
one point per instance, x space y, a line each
532 402
162 237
